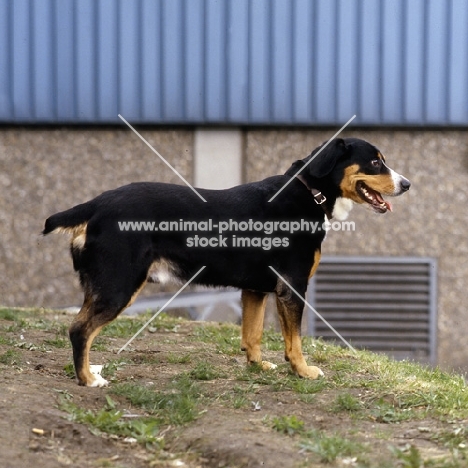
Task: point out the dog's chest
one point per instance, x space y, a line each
342 208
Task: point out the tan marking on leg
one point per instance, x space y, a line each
253 313
92 380
88 324
135 295
82 323
293 344
317 256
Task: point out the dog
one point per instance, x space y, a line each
114 264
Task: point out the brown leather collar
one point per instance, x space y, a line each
319 197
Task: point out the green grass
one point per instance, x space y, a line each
69 370
290 425
173 358
57 342
357 387
110 420
177 405
8 314
330 447
10 358
204 371
347 402
225 337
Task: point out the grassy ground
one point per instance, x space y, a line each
181 395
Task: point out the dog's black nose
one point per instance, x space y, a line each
405 184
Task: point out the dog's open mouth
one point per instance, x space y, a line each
373 197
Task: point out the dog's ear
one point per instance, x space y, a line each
296 166
324 163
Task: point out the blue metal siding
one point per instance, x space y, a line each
286 62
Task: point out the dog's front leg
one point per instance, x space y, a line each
290 308
253 313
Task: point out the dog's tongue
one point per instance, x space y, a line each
381 201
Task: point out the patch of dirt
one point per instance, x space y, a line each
34 432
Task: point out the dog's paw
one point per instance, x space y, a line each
265 365
311 372
98 381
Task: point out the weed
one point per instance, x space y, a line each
176 406
8 314
306 386
173 358
290 425
18 325
273 340
346 402
109 420
385 412
240 401
112 367
330 447
225 337
204 371
409 456
57 342
69 370
455 439
122 328
100 344
10 358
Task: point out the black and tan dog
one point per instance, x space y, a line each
114 264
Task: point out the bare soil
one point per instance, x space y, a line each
35 432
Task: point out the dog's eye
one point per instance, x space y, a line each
376 162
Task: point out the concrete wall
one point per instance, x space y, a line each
46 170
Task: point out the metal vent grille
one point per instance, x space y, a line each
381 304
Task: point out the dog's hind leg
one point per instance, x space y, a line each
290 309
253 313
84 328
93 316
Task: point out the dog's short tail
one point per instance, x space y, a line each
67 221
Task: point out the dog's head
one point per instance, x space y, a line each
356 169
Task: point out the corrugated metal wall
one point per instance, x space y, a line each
402 62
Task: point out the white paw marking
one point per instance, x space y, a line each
268 365
95 369
98 381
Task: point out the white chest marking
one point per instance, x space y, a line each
342 208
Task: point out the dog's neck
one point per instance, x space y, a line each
340 206
319 197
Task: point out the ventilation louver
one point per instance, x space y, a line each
381 304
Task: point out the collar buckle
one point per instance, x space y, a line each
318 197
